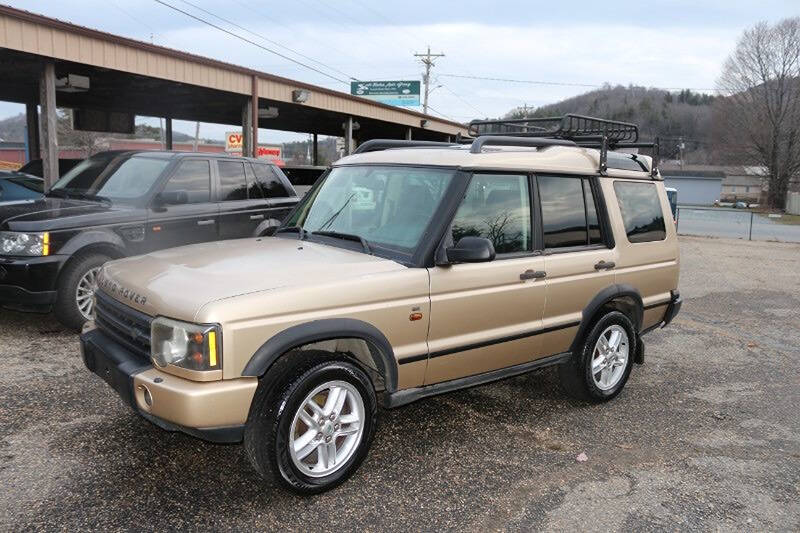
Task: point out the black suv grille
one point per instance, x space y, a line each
125 325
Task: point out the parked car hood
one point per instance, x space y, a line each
50 213
177 282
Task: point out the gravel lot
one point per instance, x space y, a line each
705 436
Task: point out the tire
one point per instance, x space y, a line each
275 420
67 309
577 376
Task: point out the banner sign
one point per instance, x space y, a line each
401 93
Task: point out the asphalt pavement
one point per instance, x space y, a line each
706 436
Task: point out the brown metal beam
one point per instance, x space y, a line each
254 106
49 125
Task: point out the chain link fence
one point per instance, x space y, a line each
736 224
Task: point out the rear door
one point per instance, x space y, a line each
580 257
242 205
487 316
193 217
280 198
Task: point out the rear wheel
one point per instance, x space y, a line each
76 288
311 422
602 367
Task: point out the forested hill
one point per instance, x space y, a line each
669 115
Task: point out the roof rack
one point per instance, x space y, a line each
585 131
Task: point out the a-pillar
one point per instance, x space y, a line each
32 138
48 125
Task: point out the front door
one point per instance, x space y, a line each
487 316
183 213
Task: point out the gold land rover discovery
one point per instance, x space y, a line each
410 269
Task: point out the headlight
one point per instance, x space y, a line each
189 346
28 244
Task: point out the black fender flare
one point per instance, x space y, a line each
612 292
265 225
323 330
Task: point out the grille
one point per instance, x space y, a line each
125 325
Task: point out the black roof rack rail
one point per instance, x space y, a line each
503 140
376 145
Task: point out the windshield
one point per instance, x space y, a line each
389 207
99 176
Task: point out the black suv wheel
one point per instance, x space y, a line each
601 368
311 422
75 299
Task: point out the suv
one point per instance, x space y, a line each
117 204
410 269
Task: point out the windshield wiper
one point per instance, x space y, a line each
302 233
337 213
90 197
58 193
347 236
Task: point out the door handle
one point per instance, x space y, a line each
256 217
205 222
605 265
532 274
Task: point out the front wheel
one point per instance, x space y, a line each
311 422
602 367
76 287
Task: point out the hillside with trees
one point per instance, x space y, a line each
671 116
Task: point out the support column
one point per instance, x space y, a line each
408 134
348 136
168 133
315 152
48 125
247 129
32 139
254 111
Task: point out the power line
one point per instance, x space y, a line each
334 69
563 84
445 87
232 34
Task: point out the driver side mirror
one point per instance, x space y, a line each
171 198
471 250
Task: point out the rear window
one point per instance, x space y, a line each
641 211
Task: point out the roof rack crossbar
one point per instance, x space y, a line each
376 145
527 142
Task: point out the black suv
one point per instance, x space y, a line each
118 204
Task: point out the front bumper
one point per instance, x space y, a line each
215 411
29 283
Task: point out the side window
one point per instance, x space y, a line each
254 191
563 211
641 211
269 181
497 207
194 178
233 184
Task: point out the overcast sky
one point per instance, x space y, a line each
677 44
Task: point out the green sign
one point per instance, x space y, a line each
404 93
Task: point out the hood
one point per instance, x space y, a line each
179 281
50 213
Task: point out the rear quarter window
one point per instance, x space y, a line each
641 211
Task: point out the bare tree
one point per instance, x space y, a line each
758 120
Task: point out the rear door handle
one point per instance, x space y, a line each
256 217
532 274
205 222
605 265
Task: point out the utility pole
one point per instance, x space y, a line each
429 60
680 151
